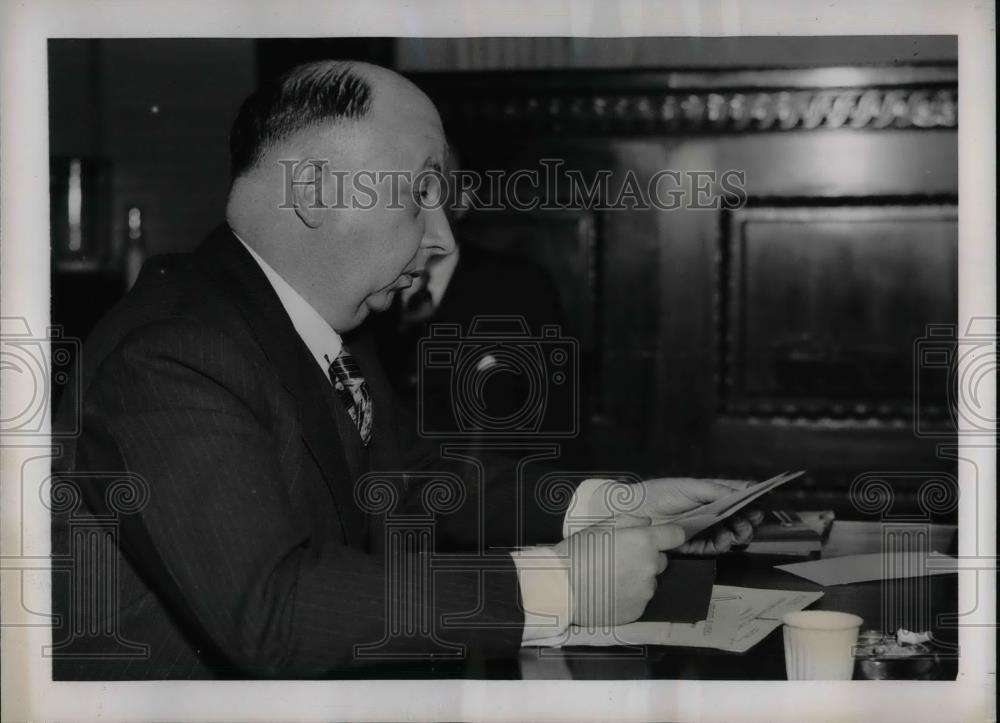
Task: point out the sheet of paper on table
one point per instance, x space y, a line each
875 566
738 618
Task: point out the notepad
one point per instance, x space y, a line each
683 592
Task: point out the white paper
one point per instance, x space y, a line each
738 618
876 566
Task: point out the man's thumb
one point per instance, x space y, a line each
667 536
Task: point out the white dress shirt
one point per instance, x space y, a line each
543 575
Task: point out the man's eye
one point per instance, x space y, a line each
430 191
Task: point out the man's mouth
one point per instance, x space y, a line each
410 277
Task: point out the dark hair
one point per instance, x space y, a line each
305 96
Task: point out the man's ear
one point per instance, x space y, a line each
307 193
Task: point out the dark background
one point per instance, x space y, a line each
734 342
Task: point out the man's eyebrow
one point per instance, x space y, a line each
433 163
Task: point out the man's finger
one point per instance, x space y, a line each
697 546
624 521
742 530
734 484
673 496
723 538
661 563
666 536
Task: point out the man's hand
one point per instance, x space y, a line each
735 531
613 570
667 496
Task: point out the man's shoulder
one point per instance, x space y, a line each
173 298
168 285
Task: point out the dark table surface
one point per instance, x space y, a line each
919 604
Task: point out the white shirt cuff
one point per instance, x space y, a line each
544 576
544 579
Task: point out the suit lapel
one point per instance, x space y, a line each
236 271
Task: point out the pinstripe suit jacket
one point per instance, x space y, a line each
244 552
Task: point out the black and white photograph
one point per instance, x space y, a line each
381 370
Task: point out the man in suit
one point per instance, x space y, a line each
230 421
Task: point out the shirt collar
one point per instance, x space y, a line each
319 337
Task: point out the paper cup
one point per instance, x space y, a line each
819 644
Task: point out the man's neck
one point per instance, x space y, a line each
317 334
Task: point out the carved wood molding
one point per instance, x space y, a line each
734 112
745 101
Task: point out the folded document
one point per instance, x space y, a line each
703 517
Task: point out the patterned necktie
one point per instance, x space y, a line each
353 391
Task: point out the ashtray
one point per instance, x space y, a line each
899 656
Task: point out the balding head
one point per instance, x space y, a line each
321 93
316 191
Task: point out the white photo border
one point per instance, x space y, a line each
28 692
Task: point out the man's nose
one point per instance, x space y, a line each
437 233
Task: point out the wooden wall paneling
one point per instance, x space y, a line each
826 305
824 142
905 180
604 102
633 351
885 209
685 295
844 163
464 54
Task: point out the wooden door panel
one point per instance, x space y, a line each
825 306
